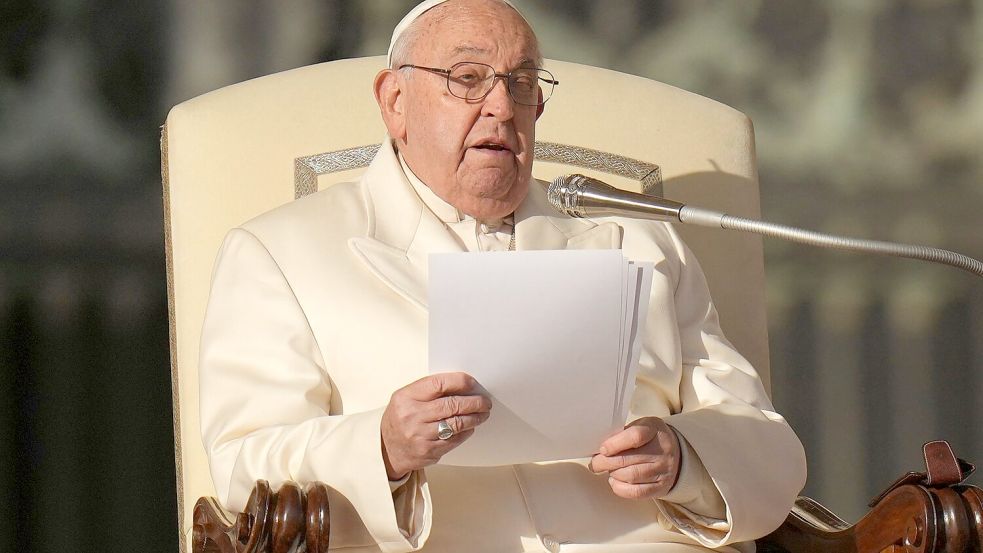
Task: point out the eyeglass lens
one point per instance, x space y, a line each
473 81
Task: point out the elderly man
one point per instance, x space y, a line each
313 354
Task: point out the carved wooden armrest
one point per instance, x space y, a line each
284 521
921 512
911 519
929 512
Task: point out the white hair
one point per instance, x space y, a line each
403 47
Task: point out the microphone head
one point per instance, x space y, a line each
564 194
581 196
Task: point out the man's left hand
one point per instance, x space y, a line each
642 461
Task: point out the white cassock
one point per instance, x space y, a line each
317 315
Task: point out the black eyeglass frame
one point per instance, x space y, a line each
495 75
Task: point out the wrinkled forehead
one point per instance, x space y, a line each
482 43
476 27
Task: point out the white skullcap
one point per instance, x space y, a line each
415 13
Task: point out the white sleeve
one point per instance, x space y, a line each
750 454
265 396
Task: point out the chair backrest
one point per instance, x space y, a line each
234 153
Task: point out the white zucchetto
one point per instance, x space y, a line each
415 13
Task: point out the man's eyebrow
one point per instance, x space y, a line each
466 49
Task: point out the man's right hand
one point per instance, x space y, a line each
409 424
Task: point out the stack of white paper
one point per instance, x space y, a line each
552 336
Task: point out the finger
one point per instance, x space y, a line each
440 448
645 473
428 451
462 423
435 386
603 463
449 406
637 491
632 437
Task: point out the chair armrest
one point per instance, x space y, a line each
911 519
286 521
920 513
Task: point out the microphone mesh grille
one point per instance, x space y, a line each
555 194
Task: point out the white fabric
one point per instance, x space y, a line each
414 14
318 308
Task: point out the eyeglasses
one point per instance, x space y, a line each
474 81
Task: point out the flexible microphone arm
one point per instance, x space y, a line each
580 196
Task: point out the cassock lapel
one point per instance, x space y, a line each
403 232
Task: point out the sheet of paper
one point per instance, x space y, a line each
631 277
639 301
544 332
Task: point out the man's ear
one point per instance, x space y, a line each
389 96
541 107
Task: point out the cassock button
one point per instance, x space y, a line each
552 544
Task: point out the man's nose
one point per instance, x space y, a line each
498 103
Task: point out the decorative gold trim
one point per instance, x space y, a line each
172 335
307 169
649 174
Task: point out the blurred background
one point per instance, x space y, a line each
869 119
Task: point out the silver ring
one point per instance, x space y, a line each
444 430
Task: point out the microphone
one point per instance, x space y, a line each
581 196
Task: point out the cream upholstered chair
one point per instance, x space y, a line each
234 153
237 152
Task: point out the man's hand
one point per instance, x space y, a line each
642 461
409 424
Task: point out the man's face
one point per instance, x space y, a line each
475 155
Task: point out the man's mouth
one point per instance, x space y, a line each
492 146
